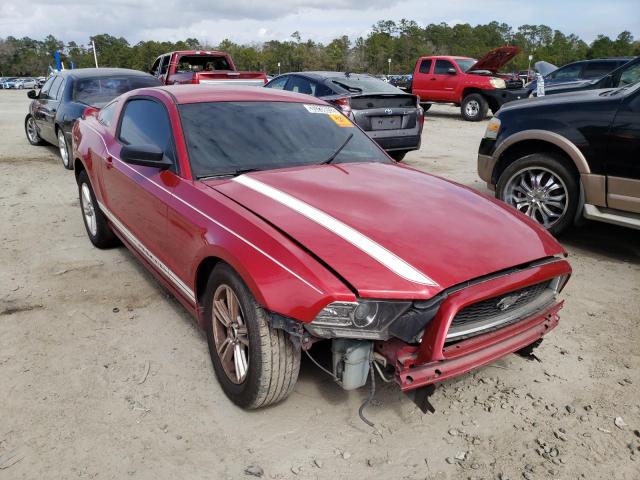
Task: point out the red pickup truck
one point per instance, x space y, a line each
473 85
202 66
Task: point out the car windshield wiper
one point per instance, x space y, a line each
234 173
337 152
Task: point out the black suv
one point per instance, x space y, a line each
559 158
628 72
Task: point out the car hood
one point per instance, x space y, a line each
496 59
391 231
562 98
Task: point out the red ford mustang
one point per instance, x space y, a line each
278 223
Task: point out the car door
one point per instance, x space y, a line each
135 195
49 109
443 82
622 160
422 79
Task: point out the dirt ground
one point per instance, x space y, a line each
103 375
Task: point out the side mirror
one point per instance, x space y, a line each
452 71
145 156
32 94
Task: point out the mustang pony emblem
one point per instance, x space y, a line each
509 301
388 111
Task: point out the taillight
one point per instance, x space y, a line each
344 104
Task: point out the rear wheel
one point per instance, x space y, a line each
255 364
63 147
398 155
32 131
474 107
543 188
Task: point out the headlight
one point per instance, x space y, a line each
497 82
493 127
558 283
364 319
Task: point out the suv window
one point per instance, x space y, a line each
279 83
146 122
58 93
53 89
570 72
442 67
630 76
425 66
597 69
155 69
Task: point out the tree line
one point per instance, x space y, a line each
402 42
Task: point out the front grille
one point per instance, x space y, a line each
500 311
493 307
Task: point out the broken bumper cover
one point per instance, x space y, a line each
481 350
436 358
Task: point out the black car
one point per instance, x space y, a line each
561 158
591 75
66 94
391 117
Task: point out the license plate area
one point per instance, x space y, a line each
393 122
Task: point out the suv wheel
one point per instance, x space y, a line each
543 188
256 365
474 107
32 131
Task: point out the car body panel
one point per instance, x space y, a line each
496 59
397 225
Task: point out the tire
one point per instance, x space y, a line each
520 184
398 155
271 361
98 229
33 137
63 149
474 107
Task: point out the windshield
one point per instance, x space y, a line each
364 84
629 76
465 63
99 91
226 137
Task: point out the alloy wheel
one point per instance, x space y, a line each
538 193
230 334
62 145
32 131
88 210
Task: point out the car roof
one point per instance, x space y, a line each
100 72
184 94
323 75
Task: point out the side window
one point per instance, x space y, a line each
58 94
629 76
145 122
44 91
279 83
442 67
164 66
155 69
300 85
105 116
53 90
596 70
425 66
569 72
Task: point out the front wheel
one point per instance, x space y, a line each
255 364
63 147
543 188
94 220
474 107
31 130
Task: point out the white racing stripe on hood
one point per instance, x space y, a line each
357 239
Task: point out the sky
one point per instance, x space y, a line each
246 21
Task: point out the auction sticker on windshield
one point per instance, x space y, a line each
320 109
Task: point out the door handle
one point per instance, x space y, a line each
432 79
109 162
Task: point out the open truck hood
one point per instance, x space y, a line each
437 233
495 59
